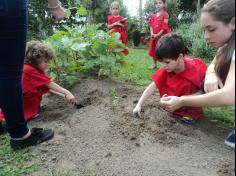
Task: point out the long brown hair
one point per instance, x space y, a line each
224 11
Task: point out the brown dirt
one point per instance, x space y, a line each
103 139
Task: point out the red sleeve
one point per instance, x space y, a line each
150 21
125 25
195 71
166 15
109 20
159 78
165 27
33 78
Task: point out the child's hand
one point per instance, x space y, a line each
137 112
118 24
171 103
155 36
59 13
70 98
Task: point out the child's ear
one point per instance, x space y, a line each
181 56
232 22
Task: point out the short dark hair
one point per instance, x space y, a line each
170 46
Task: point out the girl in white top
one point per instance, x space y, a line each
218 22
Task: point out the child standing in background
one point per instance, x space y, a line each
158 27
118 24
35 81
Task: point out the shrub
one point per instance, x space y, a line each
136 38
133 26
81 49
194 40
173 8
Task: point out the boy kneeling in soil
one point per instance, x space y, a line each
180 75
35 81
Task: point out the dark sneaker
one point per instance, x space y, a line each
188 121
230 141
38 135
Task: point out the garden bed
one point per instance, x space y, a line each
103 139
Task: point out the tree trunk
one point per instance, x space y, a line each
141 14
199 7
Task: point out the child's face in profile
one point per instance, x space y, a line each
43 65
160 5
115 10
170 65
217 33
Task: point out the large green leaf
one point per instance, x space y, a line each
79 46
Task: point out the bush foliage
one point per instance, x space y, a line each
194 40
81 49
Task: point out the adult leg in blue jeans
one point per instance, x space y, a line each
13 22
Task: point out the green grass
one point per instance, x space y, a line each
14 163
137 69
137 72
223 114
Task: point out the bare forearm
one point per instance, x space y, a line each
53 3
151 30
110 26
211 67
56 88
160 33
146 94
217 98
56 93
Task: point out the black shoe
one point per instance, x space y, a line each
38 135
2 129
230 141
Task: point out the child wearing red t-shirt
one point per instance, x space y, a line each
118 24
180 75
158 27
35 81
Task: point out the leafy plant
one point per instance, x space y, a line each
173 8
81 49
114 98
194 41
136 38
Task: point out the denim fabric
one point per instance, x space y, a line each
13 27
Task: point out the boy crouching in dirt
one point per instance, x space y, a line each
180 75
35 82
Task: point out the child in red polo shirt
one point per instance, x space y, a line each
35 81
158 27
180 75
118 24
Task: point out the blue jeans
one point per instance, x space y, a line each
13 30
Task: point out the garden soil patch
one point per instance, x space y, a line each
101 138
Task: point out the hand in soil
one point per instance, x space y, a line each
79 106
136 115
70 98
137 112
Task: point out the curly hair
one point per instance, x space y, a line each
36 52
